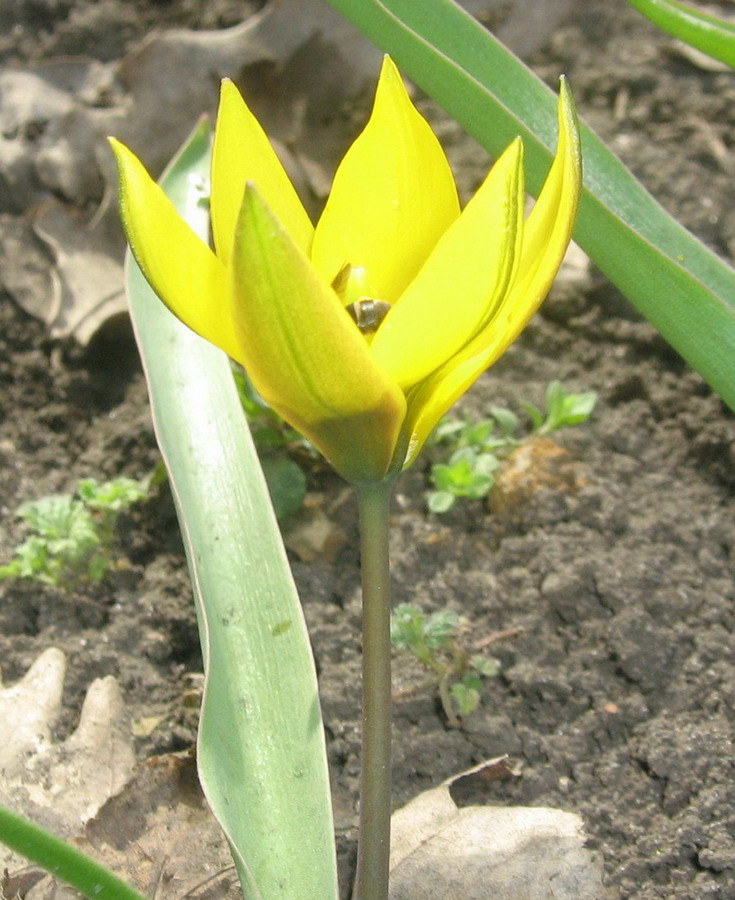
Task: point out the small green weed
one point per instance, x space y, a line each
435 641
562 409
474 450
73 536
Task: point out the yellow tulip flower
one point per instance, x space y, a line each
363 331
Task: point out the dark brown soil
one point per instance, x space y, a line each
618 690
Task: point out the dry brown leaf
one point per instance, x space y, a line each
441 851
697 58
523 25
47 134
60 785
311 534
88 279
153 828
301 65
539 463
158 835
25 271
31 707
303 55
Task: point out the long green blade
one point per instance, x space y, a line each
711 35
674 280
261 752
62 860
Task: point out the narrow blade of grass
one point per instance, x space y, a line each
713 36
62 859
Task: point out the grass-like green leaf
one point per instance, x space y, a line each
62 859
707 33
261 750
686 291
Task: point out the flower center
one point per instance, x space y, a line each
368 313
351 286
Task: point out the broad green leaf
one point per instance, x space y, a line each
686 291
713 36
261 750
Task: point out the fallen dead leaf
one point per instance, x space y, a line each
152 826
158 835
88 282
441 851
60 785
538 464
523 25
311 534
26 272
145 726
697 58
300 64
306 56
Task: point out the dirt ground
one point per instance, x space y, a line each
617 688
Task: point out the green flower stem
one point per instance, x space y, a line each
371 881
446 700
62 860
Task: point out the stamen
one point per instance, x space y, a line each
368 313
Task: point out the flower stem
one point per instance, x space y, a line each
371 880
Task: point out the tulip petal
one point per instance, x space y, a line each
546 237
551 222
178 265
463 281
304 354
242 153
393 196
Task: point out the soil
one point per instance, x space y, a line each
616 687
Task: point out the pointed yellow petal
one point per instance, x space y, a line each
177 263
242 153
305 355
393 196
546 237
463 281
551 222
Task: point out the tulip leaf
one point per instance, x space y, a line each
261 752
711 35
683 288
